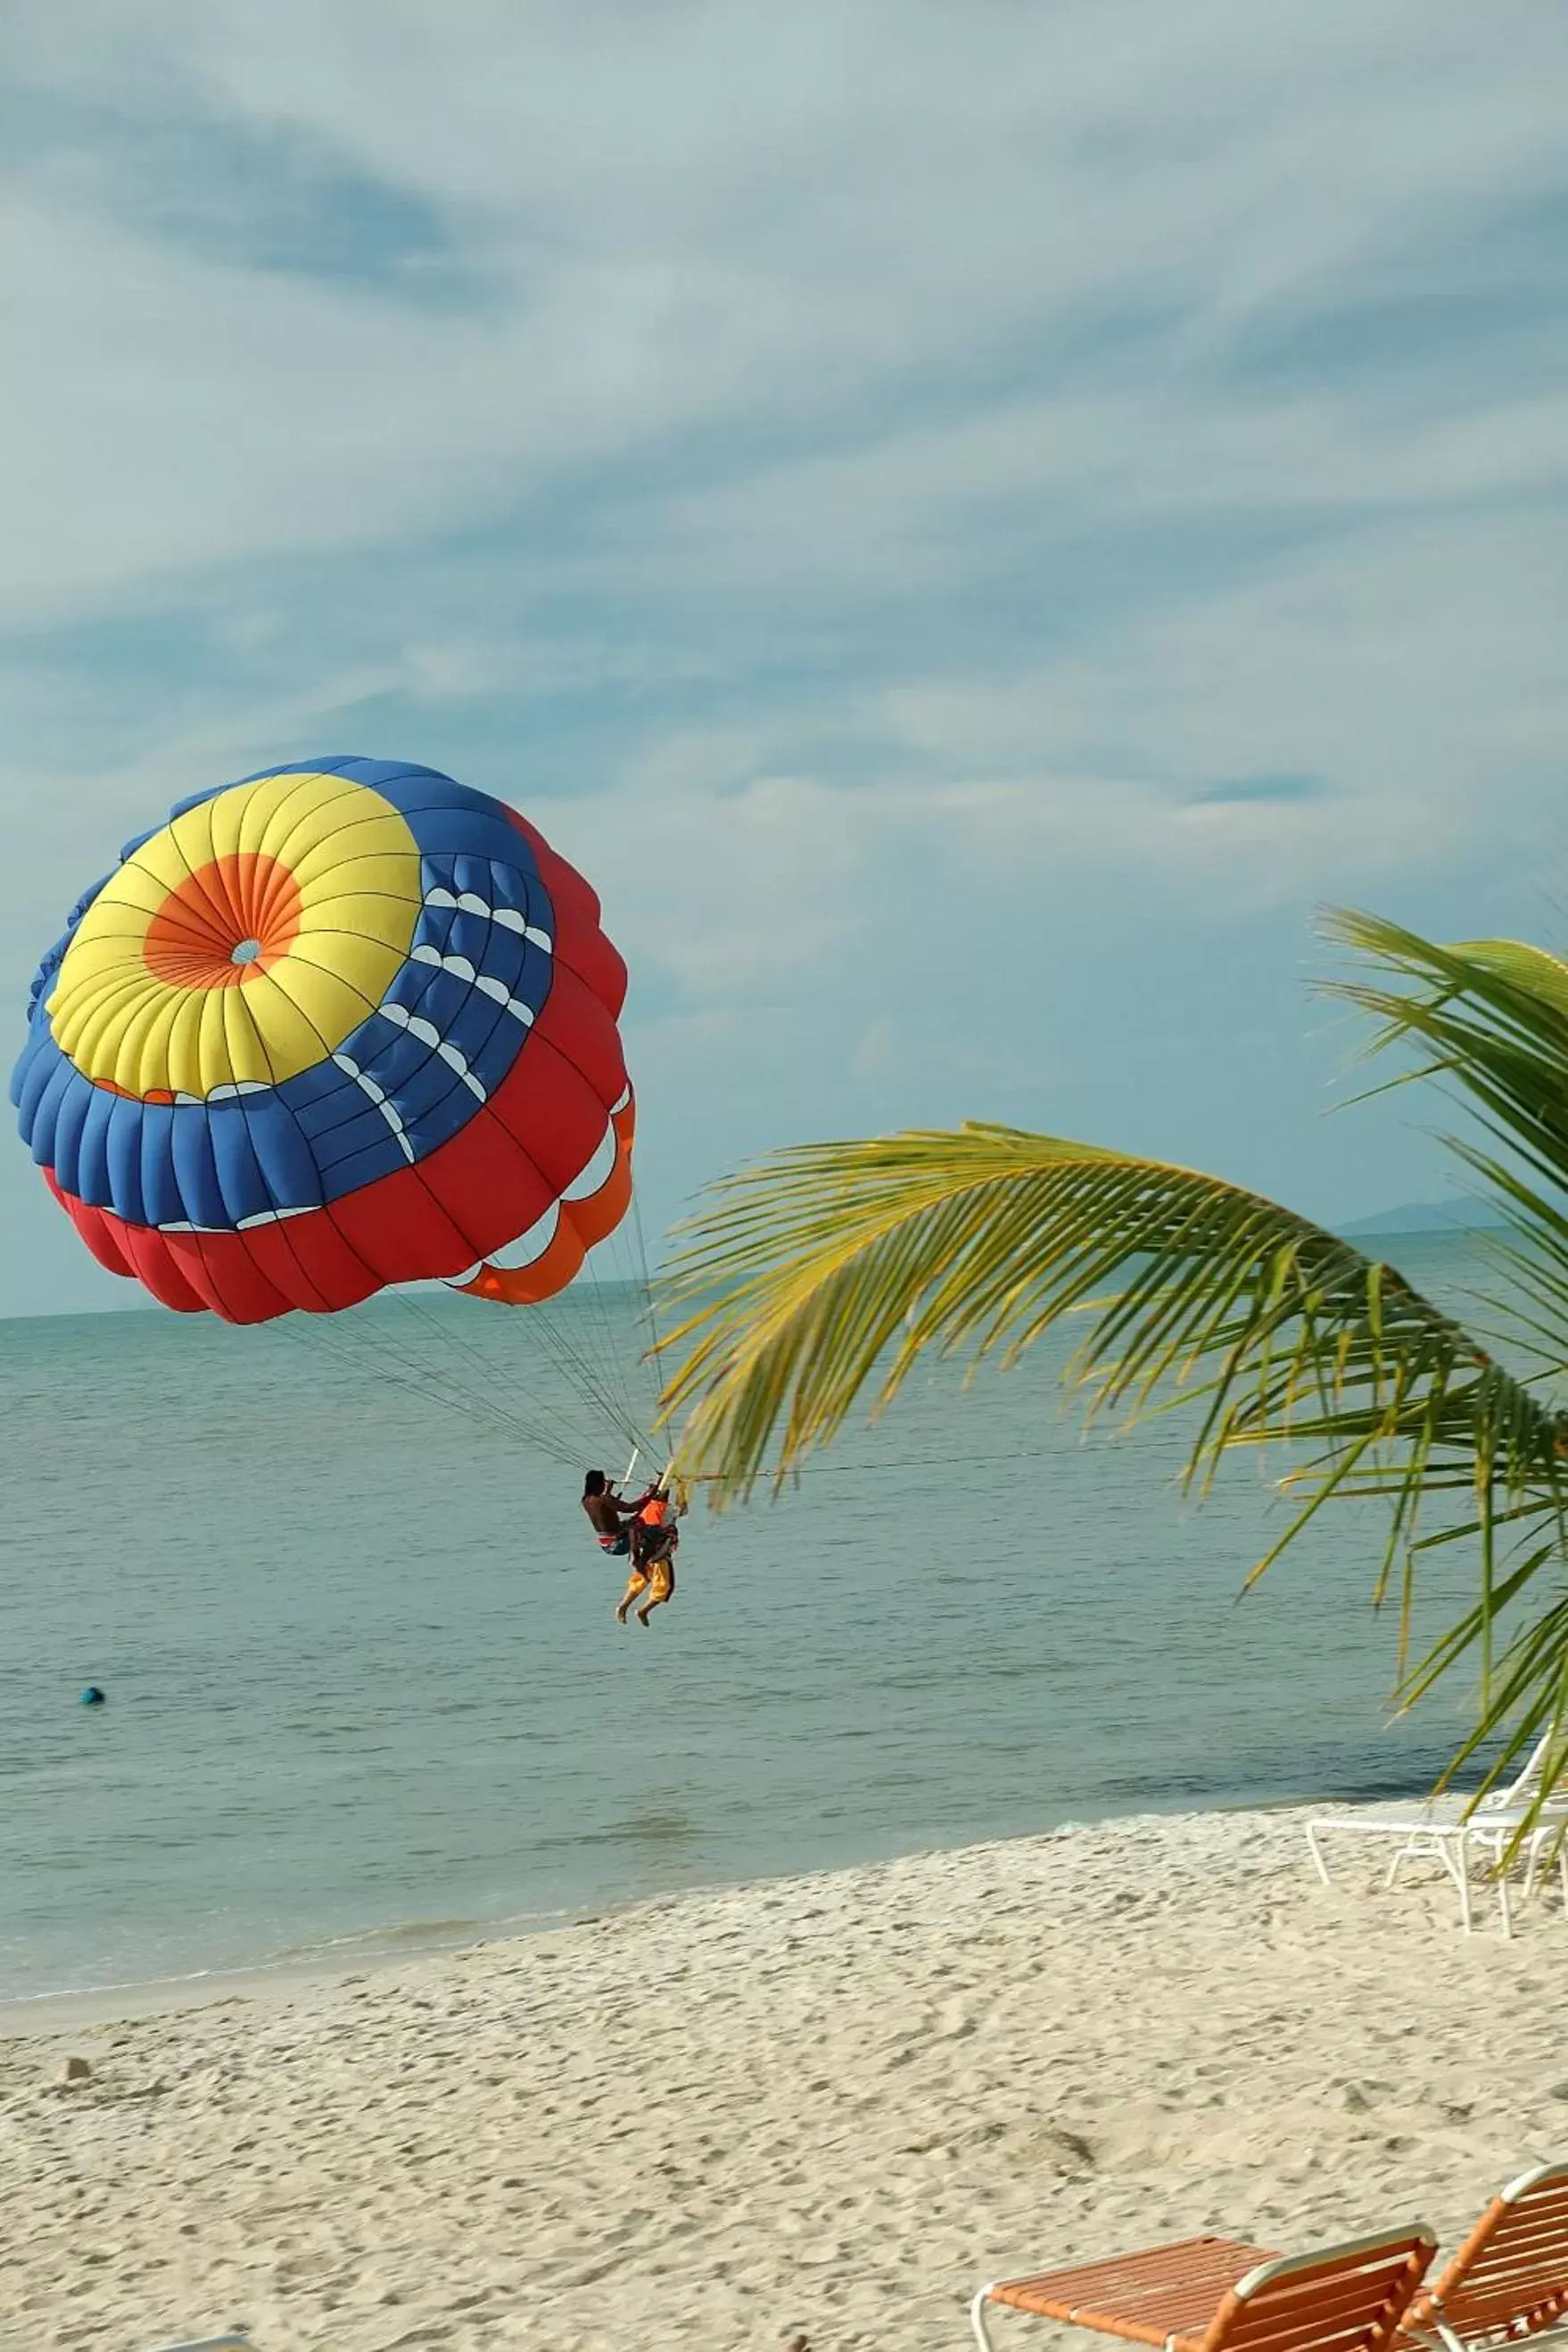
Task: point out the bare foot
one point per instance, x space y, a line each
621 1612
642 1616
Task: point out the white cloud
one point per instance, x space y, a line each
882 482
769 222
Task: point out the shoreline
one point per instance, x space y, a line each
830 2104
374 1951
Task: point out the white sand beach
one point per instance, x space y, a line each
827 2105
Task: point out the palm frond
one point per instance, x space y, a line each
1491 1018
821 1275
834 1266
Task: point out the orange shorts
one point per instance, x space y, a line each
656 1579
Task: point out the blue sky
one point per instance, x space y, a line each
969 523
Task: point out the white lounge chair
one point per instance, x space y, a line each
1447 1831
212 2344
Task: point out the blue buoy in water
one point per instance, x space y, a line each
92 1695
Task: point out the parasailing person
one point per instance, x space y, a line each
655 1537
611 1517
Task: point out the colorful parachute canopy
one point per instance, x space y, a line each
341 1024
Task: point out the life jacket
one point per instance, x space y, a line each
652 1514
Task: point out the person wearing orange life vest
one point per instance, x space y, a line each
610 1516
655 1537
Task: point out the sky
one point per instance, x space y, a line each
969 523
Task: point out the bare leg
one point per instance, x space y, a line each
637 1583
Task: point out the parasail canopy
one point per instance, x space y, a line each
344 1024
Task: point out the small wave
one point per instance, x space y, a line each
397 1936
99 1991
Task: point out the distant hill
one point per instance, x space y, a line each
1427 1217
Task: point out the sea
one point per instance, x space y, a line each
365 1691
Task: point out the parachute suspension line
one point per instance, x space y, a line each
549 1430
595 1310
617 1344
366 1337
585 1339
465 1357
366 1359
345 1337
544 1414
587 1361
651 1344
600 1407
578 1372
581 1375
585 1321
655 1354
656 1345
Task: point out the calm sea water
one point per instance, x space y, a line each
364 1682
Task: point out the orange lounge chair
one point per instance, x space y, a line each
1510 2279
1203 2293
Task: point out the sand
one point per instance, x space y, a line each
829 2105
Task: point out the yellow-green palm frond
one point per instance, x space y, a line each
819 1277
1492 1013
832 1267
1489 1019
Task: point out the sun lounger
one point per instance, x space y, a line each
1447 1830
1510 2279
1205 2294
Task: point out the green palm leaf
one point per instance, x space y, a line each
824 1272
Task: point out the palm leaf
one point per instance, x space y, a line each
823 1274
1490 1018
